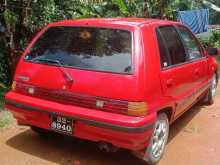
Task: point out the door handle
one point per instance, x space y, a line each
169 83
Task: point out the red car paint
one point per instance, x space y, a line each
173 90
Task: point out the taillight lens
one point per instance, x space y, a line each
137 108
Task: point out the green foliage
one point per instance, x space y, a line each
10 18
43 12
4 66
123 8
37 13
213 40
205 41
3 89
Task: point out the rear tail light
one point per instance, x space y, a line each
82 100
137 108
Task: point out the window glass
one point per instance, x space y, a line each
90 48
164 55
173 44
190 42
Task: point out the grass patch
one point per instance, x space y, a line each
5 118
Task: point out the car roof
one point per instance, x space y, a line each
132 22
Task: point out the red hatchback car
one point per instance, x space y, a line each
119 82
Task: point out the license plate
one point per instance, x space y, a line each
61 124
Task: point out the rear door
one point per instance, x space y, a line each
99 60
196 57
177 73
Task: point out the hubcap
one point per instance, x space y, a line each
213 86
159 138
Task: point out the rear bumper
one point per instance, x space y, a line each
122 131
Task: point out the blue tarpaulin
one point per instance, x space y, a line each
196 20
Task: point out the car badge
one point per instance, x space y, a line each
31 91
100 103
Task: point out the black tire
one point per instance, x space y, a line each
210 96
152 157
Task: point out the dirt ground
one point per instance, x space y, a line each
194 140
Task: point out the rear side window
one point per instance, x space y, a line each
173 44
90 48
164 54
190 42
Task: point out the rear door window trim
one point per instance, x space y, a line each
183 44
196 40
167 51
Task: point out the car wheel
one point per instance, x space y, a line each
209 97
155 150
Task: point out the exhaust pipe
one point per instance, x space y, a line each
106 147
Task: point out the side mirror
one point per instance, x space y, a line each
214 51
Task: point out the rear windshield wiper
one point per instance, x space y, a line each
67 75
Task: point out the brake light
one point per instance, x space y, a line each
137 108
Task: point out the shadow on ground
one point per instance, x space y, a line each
67 150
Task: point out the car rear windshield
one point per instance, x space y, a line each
90 48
